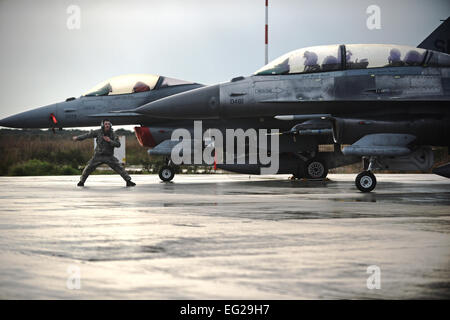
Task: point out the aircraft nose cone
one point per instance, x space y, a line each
4 122
36 118
202 103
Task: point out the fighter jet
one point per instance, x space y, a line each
125 92
385 103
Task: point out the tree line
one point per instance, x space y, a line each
42 152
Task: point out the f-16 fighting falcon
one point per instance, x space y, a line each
125 92
385 103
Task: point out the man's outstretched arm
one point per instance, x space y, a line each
90 134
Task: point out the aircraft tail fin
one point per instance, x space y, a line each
439 39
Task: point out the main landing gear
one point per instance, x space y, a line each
167 172
312 169
366 181
316 169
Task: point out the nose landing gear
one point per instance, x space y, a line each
167 172
366 181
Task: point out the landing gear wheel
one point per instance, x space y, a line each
166 173
316 169
365 181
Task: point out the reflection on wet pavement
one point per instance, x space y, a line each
224 237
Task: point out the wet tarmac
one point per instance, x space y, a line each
224 237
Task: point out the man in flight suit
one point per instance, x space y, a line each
104 153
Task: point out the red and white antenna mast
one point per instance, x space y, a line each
267 33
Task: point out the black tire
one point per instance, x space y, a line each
316 169
366 181
166 173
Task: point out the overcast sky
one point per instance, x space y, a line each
42 61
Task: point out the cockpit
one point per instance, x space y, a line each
133 83
352 56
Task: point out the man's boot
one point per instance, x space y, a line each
130 183
80 184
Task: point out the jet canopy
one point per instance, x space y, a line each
352 56
133 83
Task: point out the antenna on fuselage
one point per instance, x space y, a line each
267 34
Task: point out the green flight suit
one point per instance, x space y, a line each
104 154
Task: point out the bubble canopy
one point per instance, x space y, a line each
132 83
352 56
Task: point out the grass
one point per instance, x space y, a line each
36 167
25 151
41 152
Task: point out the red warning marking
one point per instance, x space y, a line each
144 137
53 118
267 36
